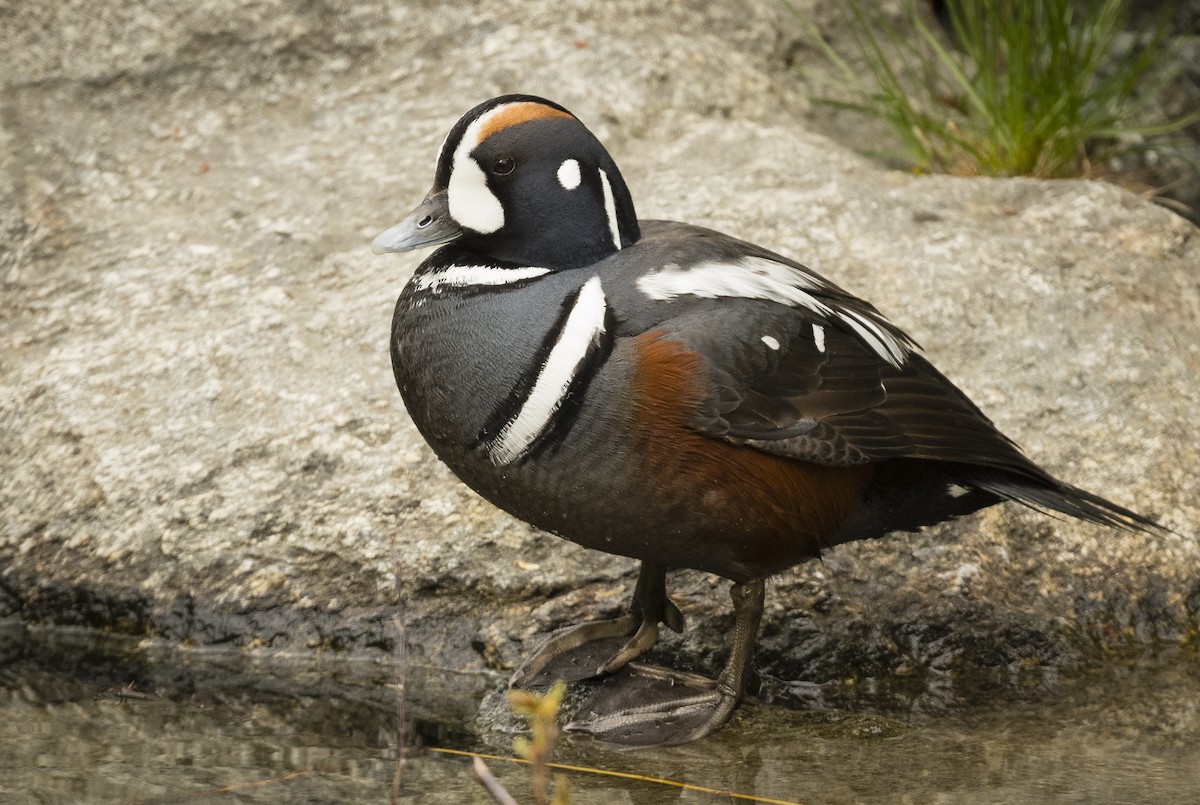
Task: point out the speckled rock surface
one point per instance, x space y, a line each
201 438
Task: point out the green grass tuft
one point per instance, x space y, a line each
1019 87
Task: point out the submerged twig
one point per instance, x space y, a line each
490 784
623 775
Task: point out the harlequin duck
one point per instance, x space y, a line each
668 393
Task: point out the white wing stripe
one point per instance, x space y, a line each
583 328
882 342
760 278
752 278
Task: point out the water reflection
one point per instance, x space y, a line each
89 718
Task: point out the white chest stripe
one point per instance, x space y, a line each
610 209
583 328
759 278
462 276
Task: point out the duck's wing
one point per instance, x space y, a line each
795 366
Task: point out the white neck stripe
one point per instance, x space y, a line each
583 328
463 276
610 209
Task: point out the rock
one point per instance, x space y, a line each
202 439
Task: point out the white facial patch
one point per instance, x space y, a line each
819 337
760 278
463 276
583 328
771 341
610 209
472 203
568 174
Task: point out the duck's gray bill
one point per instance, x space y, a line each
429 224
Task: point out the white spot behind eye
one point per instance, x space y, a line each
771 341
568 174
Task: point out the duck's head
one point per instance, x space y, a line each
520 180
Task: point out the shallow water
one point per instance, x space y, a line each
202 725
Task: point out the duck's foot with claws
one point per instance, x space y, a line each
648 705
604 647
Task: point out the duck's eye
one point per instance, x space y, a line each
504 166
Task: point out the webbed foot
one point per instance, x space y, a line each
647 705
603 647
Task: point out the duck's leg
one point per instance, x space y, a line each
648 705
602 647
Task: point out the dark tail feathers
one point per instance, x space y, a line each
1070 500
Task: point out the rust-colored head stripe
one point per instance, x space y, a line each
513 114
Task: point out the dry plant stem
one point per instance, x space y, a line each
541 771
543 742
398 654
490 784
399 658
562 791
542 713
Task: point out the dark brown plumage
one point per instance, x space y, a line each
672 394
